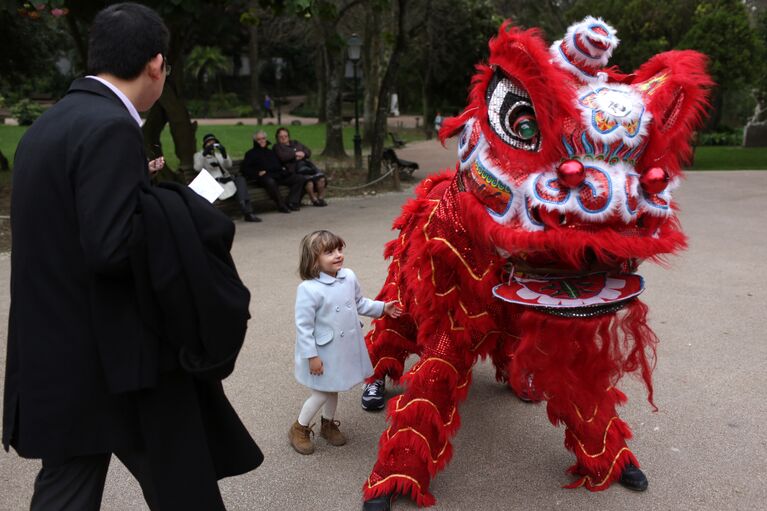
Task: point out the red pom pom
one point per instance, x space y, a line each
571 173
654 180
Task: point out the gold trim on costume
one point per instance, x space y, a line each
413 430
472 316
612 466
604 441
424 400
382 359
593 416
451 247
405 476
481 341
452 324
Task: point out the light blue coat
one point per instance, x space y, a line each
328 326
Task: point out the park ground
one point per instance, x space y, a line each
704 449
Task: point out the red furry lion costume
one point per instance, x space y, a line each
527 252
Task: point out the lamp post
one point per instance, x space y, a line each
279 63
354 46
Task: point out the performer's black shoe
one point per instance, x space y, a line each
293 206
251 217
373 396
633 478
382 503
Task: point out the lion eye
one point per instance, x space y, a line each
525 127
511 114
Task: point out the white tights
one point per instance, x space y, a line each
315 402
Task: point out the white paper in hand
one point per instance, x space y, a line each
206 186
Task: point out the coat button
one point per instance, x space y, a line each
342 333
338 308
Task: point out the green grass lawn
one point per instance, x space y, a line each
730 158
238 139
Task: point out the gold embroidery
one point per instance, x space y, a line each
423 437
604 441
452 324
612 466
463 261
593 416
423 362
451 247
424 400
470 316
405 476
396 333
476 346
382 359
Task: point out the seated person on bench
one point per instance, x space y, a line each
295 156
262 167
214 159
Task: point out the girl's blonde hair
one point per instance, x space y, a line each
314 244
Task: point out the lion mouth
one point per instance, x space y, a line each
644 225
583 295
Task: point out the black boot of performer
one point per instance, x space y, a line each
382 503
633 478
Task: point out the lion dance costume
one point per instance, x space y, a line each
527 252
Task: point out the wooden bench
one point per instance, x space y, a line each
398 142
258 196
405 168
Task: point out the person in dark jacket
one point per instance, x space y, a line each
92 368
295 157
262 167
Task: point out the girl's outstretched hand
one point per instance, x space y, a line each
392 309
315 366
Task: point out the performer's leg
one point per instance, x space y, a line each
71 484
574 365
389 343
416 445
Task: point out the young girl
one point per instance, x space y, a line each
331 355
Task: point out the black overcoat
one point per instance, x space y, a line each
86 371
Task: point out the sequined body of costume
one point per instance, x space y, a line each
527 252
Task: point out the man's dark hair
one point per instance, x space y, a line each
123 38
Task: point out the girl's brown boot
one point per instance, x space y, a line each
330 432
300 438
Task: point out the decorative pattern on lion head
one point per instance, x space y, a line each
575 163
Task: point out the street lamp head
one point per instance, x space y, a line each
354 46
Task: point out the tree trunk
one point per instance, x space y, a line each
332 49
371 64
171 109
80 45
426 105
379 129
322 86
255 93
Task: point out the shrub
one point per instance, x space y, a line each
724 136
26 112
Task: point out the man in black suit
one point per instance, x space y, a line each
86 376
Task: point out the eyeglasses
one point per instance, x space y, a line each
260 138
